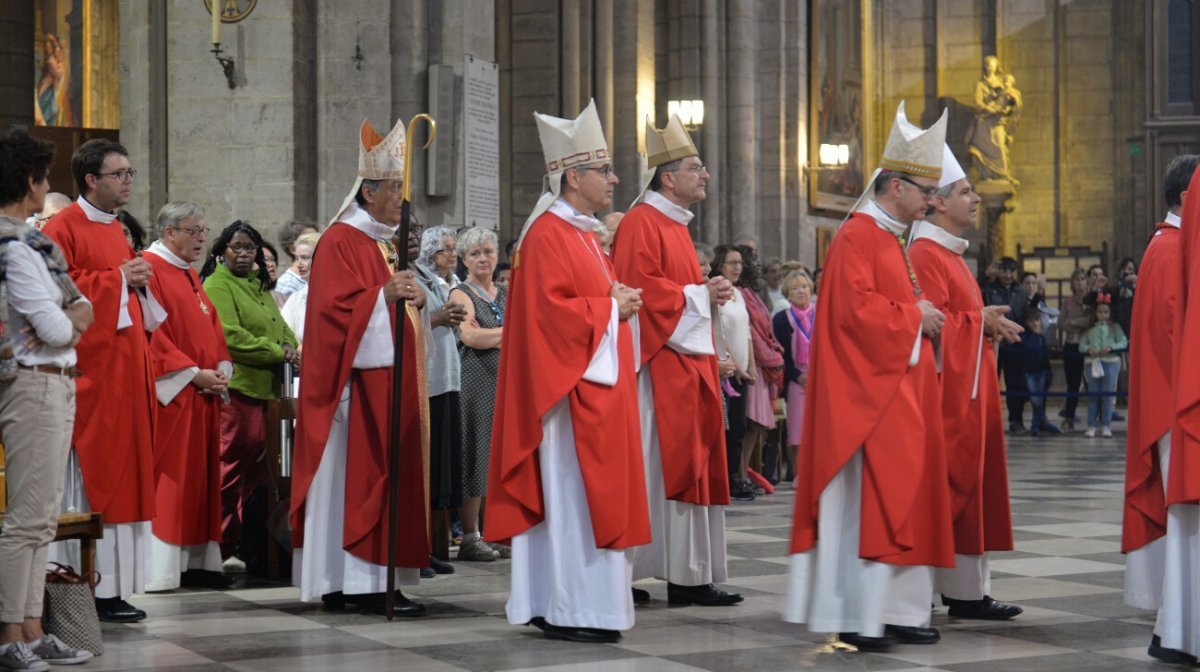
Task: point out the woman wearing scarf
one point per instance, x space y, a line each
793 328
767 362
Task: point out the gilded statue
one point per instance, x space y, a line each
997 111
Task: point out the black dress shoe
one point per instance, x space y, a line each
987 609
571 634
334 601
907 634
1172 656
203 578
440 566
705 596
428 573
116 610
640 596
864 643
376 603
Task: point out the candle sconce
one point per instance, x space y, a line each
227 65
227 11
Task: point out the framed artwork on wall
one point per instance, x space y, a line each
840 133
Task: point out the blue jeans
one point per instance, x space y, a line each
1037 384
1100 408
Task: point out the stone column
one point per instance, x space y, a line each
633 90
742 163
713 212
16 55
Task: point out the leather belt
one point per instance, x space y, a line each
70 371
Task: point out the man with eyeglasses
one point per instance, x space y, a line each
192 368
341 475
117 411
565 475
872 513
679 390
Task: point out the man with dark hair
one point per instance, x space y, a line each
1149 445
114 432
679 391
1005 290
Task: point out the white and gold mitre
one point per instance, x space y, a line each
952 170
670 144
912 150
379 158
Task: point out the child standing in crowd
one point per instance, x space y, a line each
1034 359
1102 343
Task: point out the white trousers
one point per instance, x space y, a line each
557 571
122 555
831 589
168 562
1144 567
322 565
969 579
687 544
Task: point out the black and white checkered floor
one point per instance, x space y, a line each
1067 572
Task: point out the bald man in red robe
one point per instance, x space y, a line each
1161 531
970 392
116 414
679 388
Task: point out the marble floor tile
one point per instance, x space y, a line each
968 646
236 623
1051 566
1015 590
1063 546
1076 529
531 650
383 660
667 641
119 655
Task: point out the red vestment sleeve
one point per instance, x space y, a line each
639 253
1183 483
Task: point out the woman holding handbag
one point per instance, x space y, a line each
41 319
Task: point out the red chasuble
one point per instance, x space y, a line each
347 273
862 394
1157 320
655 253
187 446
558 311
973 428
115 404
1183 483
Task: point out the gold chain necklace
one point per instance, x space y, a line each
912 276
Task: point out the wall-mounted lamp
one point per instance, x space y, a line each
834 155
691 112
219 8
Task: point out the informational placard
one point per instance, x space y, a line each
481 130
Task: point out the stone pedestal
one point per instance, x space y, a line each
999 199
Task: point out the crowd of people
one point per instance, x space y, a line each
587 408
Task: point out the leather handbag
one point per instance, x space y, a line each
69 611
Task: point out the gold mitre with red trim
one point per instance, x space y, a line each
571 142
912 150
379 158
670 144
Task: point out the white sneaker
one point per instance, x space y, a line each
1090 433
233 565
56 652
17 656
1106 432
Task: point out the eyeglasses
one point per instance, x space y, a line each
239 248
195 231
123 175
446 250
696 168
927 192
605 171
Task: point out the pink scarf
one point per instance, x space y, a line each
802 321
768 353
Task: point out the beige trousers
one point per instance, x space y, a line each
37 417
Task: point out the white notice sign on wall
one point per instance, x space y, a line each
481 130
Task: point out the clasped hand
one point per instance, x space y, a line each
720 289
932 319
137 272
629 300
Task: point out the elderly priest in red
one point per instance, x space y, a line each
192 369
872 502
679 391
973 426
115 418
1160 543
566 482
340 479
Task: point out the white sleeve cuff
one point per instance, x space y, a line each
375 348
123 318
153 314
603 368
916 351
169 386
693 333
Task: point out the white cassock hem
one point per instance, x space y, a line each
322 565
969 579
1145 566
831 589
168 562
557 571
687 544
122 554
